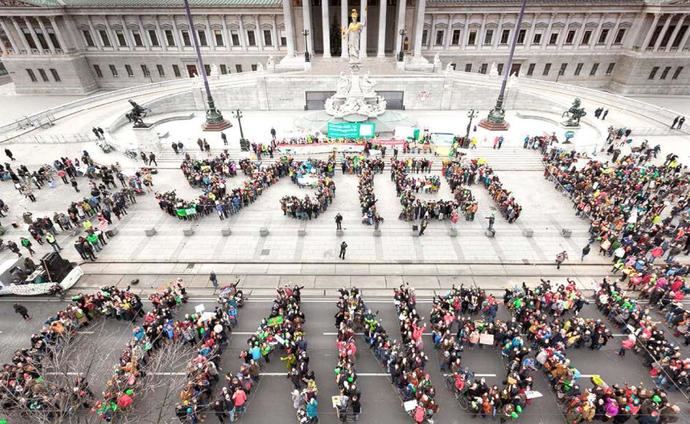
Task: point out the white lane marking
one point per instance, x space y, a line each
476 375
168 373
85 332
244 333
359 374
358 334
63 373
588 375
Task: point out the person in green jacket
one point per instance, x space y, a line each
27 244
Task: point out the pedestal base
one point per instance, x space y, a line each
216 126
494 126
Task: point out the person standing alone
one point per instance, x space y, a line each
214 281
338 221
560 258
343 249
21 310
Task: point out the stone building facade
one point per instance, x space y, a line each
81 46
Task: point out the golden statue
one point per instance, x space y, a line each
353 33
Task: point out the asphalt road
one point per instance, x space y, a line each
99 347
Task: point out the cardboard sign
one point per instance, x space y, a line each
199 309
486 339
533 394
410 405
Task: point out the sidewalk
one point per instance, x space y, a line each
325 278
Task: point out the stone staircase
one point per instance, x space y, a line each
509 158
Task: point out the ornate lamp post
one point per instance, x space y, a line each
244 143
401 53
472 113
496 119
306 46
214 119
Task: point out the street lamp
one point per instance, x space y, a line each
473 113
401 53
496 120
214 119
244 143
306 46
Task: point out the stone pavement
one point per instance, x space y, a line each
324 279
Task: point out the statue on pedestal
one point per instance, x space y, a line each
353 33
574 114
137 115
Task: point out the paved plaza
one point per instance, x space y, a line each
265 250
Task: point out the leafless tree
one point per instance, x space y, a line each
164 377
73 356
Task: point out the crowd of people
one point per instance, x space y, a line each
365 169
311 206
414 208
157 330
461 305
348 319
405 361
663 356
638 220
282 330
209 333
467 172
25 388
208 172
225 202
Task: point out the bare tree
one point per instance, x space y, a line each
160 385
51 398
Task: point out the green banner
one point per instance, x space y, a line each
351 130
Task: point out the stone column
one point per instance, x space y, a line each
226 34
243 34
344 22
383 5
449 33
6 29
614 31
561 41
63 45
125 32
144 34
20 35
684 41
39 47
258 34
532 30
650 32
176 32
45 35
325 29
431 36
112 36
211 35
595 36
547 34
680 23
3 50
306 20
482 31
499 32
289 28
419 27
363 19
402 8
162 39
274 34
662 34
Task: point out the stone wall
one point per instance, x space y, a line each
73 71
